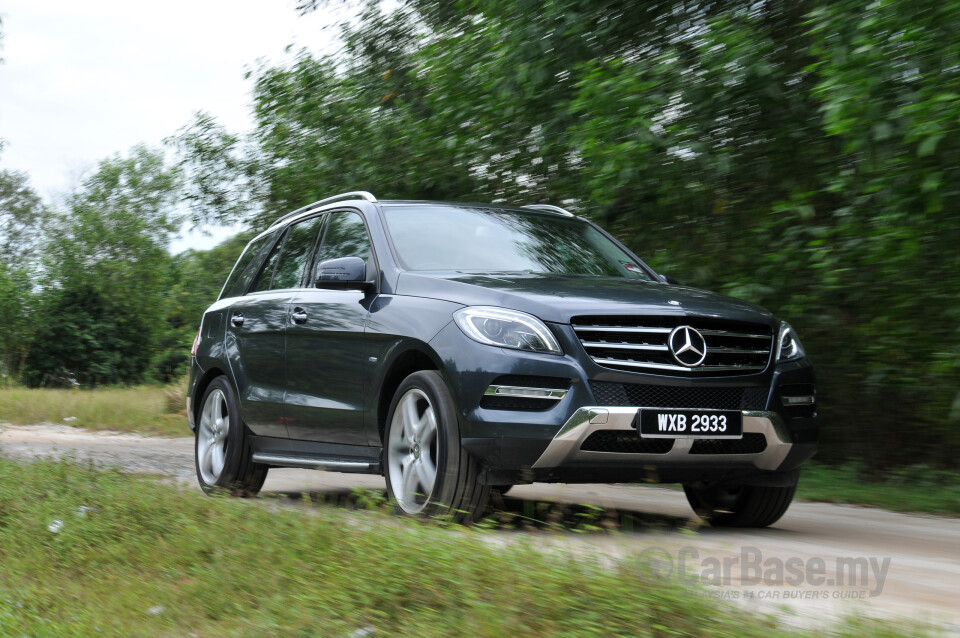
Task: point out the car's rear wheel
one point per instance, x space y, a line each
428 473
221 451
741 506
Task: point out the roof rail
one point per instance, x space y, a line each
550 209
328 200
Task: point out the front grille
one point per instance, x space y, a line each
751 443
664 396
640 344
625 442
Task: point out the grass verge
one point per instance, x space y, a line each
148 558
912 489
144 409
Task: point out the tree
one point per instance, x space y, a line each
107 266
21 217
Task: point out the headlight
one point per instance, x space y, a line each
506 329
789 347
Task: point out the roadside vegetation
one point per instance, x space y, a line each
92 552
151 410
914 488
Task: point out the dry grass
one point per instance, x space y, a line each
144 409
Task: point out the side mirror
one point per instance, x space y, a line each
669 280
345 272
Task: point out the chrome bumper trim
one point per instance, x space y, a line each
521 392
565 446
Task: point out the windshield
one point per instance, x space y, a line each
484 240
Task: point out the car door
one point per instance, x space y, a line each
258 322
325 345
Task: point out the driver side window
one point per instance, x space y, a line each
346 236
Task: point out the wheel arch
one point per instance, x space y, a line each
403 364
202 384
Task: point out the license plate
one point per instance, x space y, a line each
690 424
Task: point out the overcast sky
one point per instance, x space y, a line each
84 80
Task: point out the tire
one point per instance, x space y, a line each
742 506
427 471
221 452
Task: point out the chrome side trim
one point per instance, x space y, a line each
565 446
309 463
520 392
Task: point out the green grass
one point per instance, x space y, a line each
144 409
151 559
912 489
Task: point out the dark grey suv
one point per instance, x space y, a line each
458 348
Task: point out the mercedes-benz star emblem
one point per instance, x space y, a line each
687 346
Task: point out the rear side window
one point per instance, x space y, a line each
266 273
297 247
246 266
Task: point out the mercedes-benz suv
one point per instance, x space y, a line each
458 348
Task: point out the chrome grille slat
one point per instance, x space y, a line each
667 366
619 329
638 343
727 333
624 346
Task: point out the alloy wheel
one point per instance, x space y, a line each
212 435
413 451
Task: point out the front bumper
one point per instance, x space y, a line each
565 448
564 459
517 446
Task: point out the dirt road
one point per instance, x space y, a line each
819 562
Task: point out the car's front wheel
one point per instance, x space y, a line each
427 471
221 452
741 506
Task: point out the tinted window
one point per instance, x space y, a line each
474 239
346 236
300 241
246 266
266 273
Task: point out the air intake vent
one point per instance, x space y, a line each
643 344
665 396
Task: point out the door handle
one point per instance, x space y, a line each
237 320
299 315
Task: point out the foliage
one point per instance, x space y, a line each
21 215
800 155
106 273
196 276
910 488
134 556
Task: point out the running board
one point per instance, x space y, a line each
314 463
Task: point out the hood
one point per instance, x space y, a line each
557 298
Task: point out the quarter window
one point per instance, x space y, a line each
266 273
